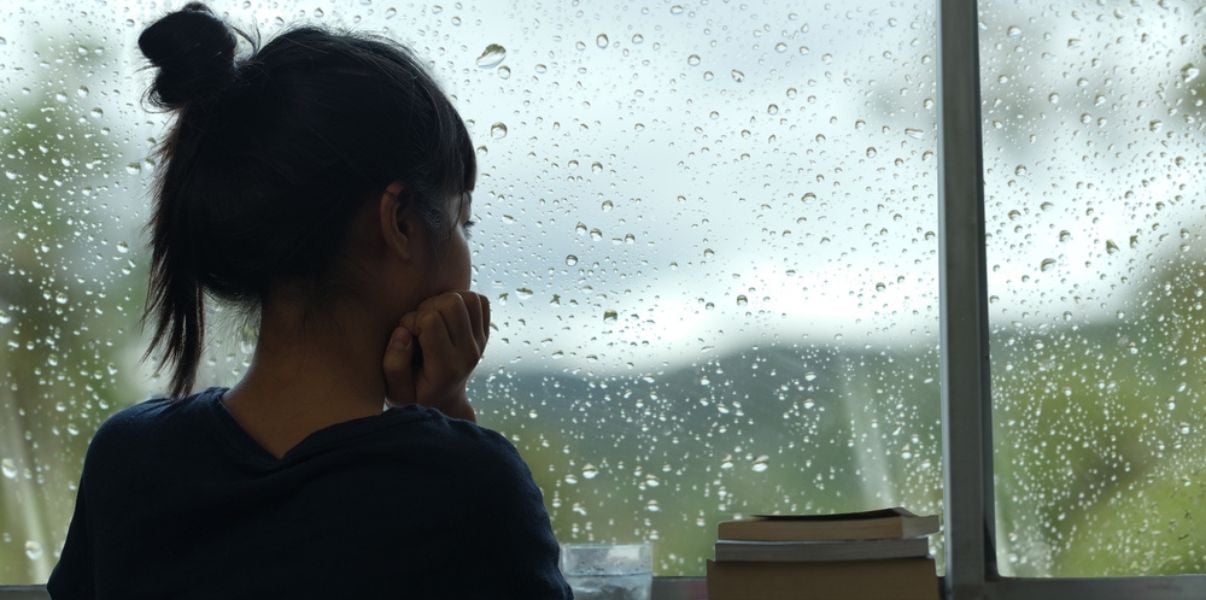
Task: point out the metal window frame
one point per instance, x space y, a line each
968 502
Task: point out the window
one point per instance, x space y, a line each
1093 169
708 232
713 236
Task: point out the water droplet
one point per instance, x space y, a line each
96 113
61 298
871 152
1111 247
760 463
123 247
780 47
1189 73
610 316
33 550
1155 125
1014 215
504 72
1053 98
810 376
652 481
498 131
523 293
596 167
589 471
571 260
580 229
914 133
8 468
693 60
652 506
391 13
637 38
491 56
134 168
709 253
595 234
601 40
772 109
1047 264
677 9
1019 170
1014 31
742 300
607 206
738 76
60 97
879 287
1065 235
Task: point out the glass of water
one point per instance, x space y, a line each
608 571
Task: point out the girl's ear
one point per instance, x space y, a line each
395 230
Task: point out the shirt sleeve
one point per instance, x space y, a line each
522 552
72 576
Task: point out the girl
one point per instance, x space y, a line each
323 184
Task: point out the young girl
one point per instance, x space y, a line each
322 183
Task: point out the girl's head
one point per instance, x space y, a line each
320 167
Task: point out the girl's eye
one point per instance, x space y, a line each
467 225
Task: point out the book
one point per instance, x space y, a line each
898 579
742 550
889 523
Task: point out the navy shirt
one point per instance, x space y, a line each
176 500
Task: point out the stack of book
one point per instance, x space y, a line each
881 555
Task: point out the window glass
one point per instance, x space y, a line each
707 228
1093 137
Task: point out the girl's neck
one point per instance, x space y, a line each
303 379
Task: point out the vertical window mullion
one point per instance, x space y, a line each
966 399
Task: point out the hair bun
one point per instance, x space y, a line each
194 51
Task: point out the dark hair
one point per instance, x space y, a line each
271 155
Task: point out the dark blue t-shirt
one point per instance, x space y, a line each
177 501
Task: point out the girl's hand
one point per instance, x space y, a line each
451 331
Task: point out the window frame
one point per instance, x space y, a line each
966 396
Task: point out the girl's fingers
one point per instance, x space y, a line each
451 306
473 304
485 321
438 350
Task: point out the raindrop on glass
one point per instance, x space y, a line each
33 550
491 56
498 131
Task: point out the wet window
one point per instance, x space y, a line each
709 234
1093 136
